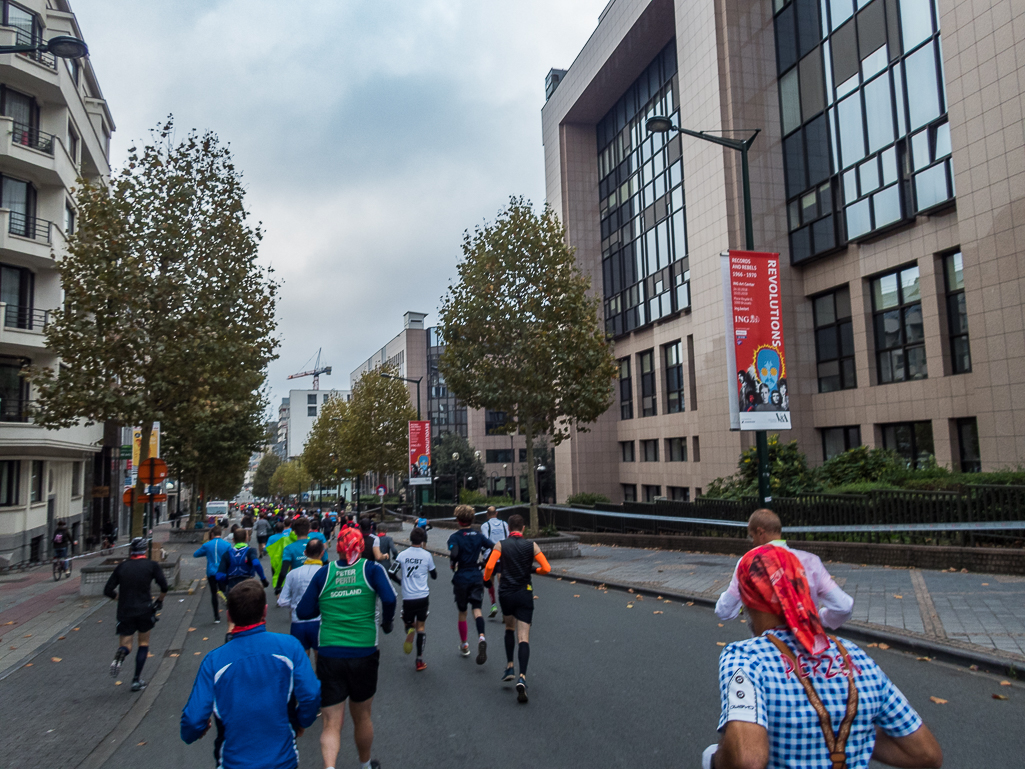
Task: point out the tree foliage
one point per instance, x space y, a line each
788 467
290 479
167 315
261 478
467 467
374 436
521 333
324 453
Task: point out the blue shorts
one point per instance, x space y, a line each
308 633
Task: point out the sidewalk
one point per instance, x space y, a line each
974 617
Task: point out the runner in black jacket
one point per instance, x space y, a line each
136 609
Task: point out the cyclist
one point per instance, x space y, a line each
517 595
464 549
61 542
136 609
495 529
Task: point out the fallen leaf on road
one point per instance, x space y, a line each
629 606
573 582
1001 697
173 654
938 700
973 667
536 597
924 659
577 596
192 629
985 584
720 624
9 623
55 659
149 655
897 596
1005 683
690 603
206 638
13 648
630 590
871 646
30 664
99 621
660 598
964 571
720 643
196 654
27 636
666 601
141 744
743 622
61 638
658 612
76 628
117 683
884 646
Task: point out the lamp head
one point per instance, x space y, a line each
66 47
659 124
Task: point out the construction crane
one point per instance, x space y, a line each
315 372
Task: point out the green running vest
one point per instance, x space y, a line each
348 607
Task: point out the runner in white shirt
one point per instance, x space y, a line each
496 530
296 582
414 565
834 605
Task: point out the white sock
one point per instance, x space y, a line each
365 766
481 637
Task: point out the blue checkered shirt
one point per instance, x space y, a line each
759 685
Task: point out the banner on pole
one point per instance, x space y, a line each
420 470
154 450
755 356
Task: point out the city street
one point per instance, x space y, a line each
610 685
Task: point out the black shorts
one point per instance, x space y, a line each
347 679
263 540
140 623
415 610
519 604
471 593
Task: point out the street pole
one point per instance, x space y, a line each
416 494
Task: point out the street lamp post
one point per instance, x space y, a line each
664 125
537 479
416 494
62 46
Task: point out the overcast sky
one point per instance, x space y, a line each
371 134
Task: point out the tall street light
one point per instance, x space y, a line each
661 124
62 46
412 381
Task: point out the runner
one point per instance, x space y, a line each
238 564
839 710
294 554
136 609
423 523
262 530
344 595
495 529
764 528
464 550
371 542
295 586
516 595
414 564
213 550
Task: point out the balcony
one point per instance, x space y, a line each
44 58
15 409
23 328
28 239
35 155
27 136
31 227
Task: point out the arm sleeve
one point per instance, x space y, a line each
197 711
896 717
309 604
285 597
110 589
286 566
728 605
378 580
258 567
543 566
306 689
200 552
158 575
492 561
223 567
835 606
433 573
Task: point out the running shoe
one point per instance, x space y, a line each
407 647
138 686
420 665
482 651
494 611
464 649
375 764
115 666
509 674
521 689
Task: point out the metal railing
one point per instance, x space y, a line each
15 409
28 226
27 136
26 318
45 58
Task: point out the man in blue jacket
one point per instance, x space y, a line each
259 689
239 564
213 549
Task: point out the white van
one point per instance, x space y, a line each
218 509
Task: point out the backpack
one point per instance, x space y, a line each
58 538
238 563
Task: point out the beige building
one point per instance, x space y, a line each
889 173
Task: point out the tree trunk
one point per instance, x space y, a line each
139 508
528 432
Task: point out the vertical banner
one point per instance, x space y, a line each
154 449
759 396
420 453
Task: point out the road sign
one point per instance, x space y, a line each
126 451
153 471
130 497
382 490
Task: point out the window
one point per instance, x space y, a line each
676 449
311 411
312 399
674 378
24 111
837 440
629 492
692 374
76 479
498 456
678 493
696 446
16 291
30 29
36 482
899 333
494 422
912 440
957 314
651 492
73 69
14 390
72 142
646 361
649 451
10 473
20 198
834 340
968 445
523 455
626 451
69 220
626 392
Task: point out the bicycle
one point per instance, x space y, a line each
61 567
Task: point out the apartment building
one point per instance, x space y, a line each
888 172
54 128
304 409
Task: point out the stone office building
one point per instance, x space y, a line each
889 173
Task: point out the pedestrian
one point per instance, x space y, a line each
344 595
257 677
834 605
783 691
414 565
213 550
516 596
238 564
495 529
464 552
306 631
262 530
136 609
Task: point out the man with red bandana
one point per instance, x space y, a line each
794 697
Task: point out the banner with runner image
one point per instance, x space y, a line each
756 359
420 470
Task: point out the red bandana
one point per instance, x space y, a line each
350 545
773 580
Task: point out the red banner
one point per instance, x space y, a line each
760 397
419 453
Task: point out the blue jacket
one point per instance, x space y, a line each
250 681
251 566
214 550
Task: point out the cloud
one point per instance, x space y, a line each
371 134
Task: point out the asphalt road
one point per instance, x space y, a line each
610 686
